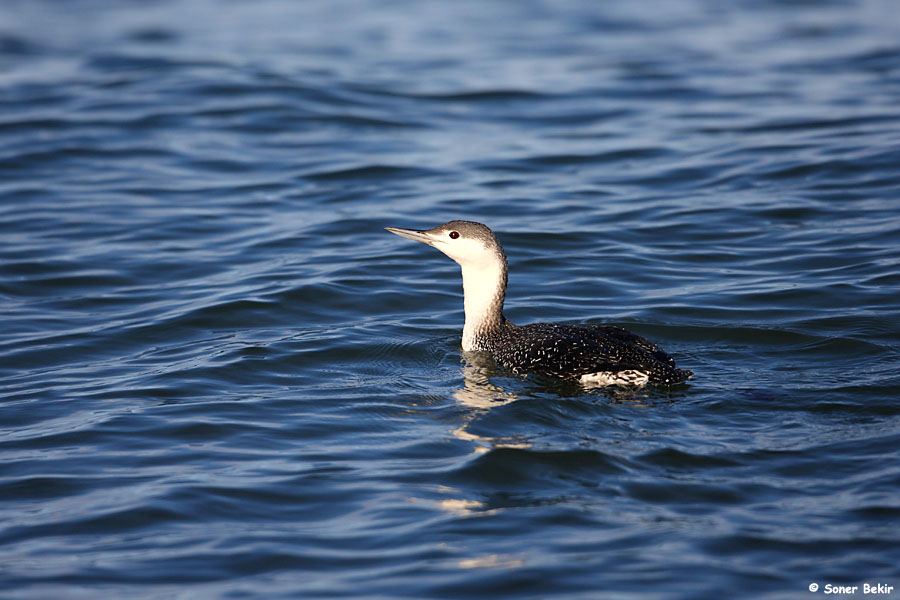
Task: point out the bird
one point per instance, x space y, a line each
594 355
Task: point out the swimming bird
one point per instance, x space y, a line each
596 355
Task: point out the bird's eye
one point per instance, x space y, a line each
454 235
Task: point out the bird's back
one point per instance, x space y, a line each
599 353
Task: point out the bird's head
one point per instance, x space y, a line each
469 243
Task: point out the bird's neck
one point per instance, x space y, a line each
484 287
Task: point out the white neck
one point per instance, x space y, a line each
484 288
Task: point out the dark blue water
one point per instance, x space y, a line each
220 377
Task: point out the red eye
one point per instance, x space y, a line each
454 235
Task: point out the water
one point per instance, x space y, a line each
222 379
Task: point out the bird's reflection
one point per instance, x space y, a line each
481 395
487 388
478 391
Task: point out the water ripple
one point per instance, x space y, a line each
221 377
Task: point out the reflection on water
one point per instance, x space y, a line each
492 561
478 391
481 395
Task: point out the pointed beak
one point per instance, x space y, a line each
413 234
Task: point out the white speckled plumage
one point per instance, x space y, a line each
593 354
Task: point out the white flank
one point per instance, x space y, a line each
604 378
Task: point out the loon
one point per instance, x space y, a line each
595 355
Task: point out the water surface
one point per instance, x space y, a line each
222 378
